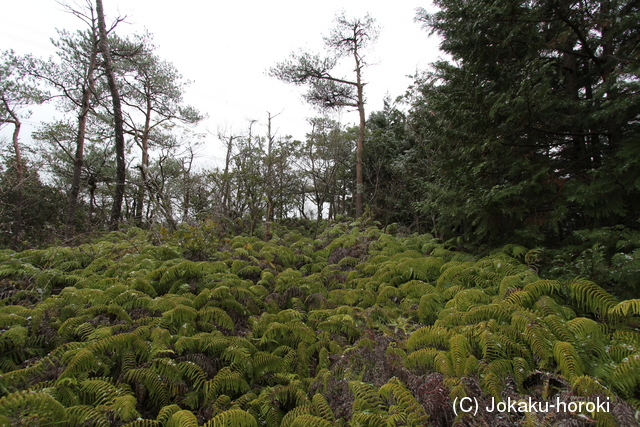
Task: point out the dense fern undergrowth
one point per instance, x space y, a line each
356 327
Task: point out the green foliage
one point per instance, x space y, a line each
202 345
534 146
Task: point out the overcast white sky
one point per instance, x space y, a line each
226 47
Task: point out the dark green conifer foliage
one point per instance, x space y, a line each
531 128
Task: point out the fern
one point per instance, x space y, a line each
308 420
166 412
591 297
395 391
216 315
288 419
493 385
567 359
625 308
429 336
626 376
368 395
322 408
227 382
182 418
86 415
40 407
232 418
124 408
460 351
158 393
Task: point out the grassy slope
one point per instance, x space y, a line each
357 327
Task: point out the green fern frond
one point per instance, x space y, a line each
549 306
216 315
236 355
86 415
443 364
308 420
143 423
13 315
366 393
540 341
512 339
425 269
516 281
429 336
521 370
193 373
625 308
166 412
469 298
449 271
321 408
520 298
500 312
124 408
167 368
586 329
543 287
226 381
567 359
152 382
460 350
232 418
395 391
24 405
68 328
626 376
342 324
416 288
558 326
366 419
290 416
626 337
83 360
182 418
100 392
588 386
617 353
493 385
264 363
491 346
591 297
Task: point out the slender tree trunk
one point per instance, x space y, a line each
92 203
360 143
140 196
226 201
87 92
269 180
118 195
144 147
16 229
186 197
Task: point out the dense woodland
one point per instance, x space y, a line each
479 237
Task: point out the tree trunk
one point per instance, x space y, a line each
360 144
269 180
226 196
144 147
16 229
118 195
87 92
